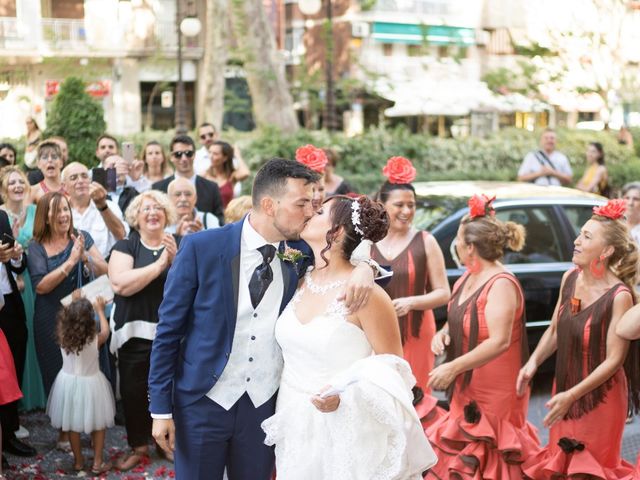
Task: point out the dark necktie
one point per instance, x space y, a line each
262 275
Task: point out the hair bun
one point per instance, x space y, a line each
374 220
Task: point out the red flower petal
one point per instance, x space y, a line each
312 157
399 170
614 209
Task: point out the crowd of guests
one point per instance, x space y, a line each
73 230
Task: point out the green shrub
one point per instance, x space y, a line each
78 118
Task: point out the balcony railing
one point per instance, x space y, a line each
59 34
10 34
417 7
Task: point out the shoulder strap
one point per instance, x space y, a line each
543 158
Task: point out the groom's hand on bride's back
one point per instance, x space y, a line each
164 433
358 288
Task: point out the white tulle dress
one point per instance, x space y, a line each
375 433
81 399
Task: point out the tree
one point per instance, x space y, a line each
216 45
78 118
264 66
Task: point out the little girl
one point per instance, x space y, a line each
81 399
9 389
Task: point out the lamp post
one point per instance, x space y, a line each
311 7
189 26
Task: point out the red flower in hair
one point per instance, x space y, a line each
614 209
399 170
312 157
480 206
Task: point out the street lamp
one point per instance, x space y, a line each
311 7
189 26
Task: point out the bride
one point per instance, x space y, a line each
344 407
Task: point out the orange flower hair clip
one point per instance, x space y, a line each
399 170
480 206
614 209
312 157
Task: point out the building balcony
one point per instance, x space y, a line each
90 37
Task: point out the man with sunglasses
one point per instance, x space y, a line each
183 151
207 134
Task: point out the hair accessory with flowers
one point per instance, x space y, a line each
399 170
312 157
614 209
355 216
480 206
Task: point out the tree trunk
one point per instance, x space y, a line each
264 66
216 45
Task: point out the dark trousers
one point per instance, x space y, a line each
210 438
133 366
12 323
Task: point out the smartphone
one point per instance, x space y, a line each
128 151
8 240
99 175
111 179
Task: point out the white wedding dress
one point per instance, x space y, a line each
374 434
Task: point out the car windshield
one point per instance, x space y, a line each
431 211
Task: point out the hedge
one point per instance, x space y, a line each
362 157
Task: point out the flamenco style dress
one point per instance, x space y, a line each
375 433
587 442
9 389
417 328
485 434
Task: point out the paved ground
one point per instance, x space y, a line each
51 464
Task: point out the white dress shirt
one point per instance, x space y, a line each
202 161
91 221
255 363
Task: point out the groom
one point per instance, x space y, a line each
215 363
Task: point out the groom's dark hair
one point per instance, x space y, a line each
271 179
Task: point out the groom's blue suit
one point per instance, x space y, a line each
193 344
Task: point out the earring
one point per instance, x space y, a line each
473 265
598 267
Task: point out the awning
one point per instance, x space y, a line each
416 34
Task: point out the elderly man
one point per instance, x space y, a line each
546 166
92 210
183 196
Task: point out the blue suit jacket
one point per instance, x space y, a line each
197 317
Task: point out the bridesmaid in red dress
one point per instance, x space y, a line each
485 434
9 389
419 282
589 405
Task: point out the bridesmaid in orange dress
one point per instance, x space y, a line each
9 389
419 282
485 434
589 405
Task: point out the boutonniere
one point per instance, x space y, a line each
291 255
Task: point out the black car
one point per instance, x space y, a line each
552 217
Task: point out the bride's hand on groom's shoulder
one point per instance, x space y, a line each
328 404
358 288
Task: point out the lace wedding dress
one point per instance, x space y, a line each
374 434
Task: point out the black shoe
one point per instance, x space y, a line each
16 447
5 463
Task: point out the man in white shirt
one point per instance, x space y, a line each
546 166
207 134
182 194
92 211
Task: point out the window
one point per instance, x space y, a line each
387 49
415 50
578 216
543 241
443 51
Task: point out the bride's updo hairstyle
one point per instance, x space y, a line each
490 236
371 218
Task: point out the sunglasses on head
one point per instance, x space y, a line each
186 153
207 135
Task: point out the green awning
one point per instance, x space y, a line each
418 34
